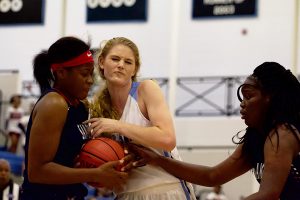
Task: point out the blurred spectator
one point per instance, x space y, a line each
101 194
8 189
104 194
216 194
13 118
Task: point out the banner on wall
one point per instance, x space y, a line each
116 10
223 8
14 12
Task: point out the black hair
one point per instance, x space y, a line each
62 50
284 107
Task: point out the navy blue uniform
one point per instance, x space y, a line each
291 190
69 147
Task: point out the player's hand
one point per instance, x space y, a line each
97 126
107 176
143 155
129 160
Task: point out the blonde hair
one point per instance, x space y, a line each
102 105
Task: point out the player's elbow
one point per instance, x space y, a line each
33 175
169 144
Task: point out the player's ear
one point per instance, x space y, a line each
61 73
100 62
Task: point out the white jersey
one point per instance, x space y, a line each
148 176
11 193
14 116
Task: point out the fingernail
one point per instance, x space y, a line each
122 161
122 169
125 151
134 163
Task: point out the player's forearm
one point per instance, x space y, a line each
193 173
148 136
53 173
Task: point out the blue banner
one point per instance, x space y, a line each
223 8
116 10
13 12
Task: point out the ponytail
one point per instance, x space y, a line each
42 72
62 50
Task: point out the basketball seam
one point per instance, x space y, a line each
110 147
95 155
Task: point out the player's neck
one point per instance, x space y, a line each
71 101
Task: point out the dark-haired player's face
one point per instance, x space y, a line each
254 104
80 79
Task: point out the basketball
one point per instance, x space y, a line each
98 151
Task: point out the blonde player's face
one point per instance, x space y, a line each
119 65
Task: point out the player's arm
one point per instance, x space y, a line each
49 117
277 163
47 125
234 166
161 133
48 121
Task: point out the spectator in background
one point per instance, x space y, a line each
216 194
13 118
8 189
104 194
101 194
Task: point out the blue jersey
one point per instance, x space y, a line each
69 147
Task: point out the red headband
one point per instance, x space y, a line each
86 57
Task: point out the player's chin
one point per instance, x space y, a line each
83 95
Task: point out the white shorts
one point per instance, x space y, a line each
161 192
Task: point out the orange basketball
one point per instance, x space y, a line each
98 151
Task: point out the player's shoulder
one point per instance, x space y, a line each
52 100
148 88
148 84
284 130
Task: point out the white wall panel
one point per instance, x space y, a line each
19 44
218 47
